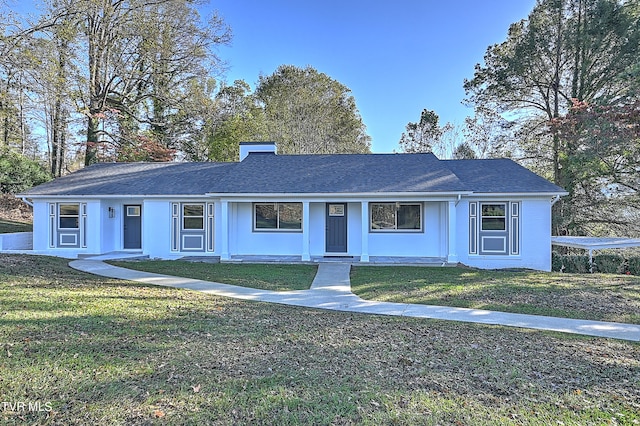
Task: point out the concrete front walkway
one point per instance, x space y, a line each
331 289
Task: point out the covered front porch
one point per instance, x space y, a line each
373 260
368 230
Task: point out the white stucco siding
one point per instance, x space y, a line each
92 234
354 229
427 243
103 232
243 240
40 225
317 221
534 237
161 240
536 234
111 237
156 228
16 241
246 241
46 235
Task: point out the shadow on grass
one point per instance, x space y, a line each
272 277
131 354
259 363
595 297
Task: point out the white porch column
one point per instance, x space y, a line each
224 228
452 241
364 208
305 232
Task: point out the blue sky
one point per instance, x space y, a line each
396 57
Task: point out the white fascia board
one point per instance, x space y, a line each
129 196
379 196
401 196
355 197
516 194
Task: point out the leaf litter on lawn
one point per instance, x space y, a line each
108 351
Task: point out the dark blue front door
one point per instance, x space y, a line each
132 227
336 235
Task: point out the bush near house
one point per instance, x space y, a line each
603 263
556 262
609 264
634 265
18 173
572 264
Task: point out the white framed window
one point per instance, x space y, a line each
493 216
68 216
277 217
133 211
395 217
193 216
336 210
494 228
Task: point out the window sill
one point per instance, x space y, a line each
496 256
396 231
277 231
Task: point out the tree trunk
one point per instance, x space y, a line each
21 117
94 33
91 153
59 125
5 125
577 56
556 97
57 140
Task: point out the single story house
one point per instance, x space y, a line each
489 213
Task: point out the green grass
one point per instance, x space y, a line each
594 296
262 276
598 297
103 351
9 226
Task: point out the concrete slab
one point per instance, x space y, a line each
116 255
405 260
264 259
201 259
332 277
331 289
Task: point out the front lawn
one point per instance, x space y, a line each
92 350
274 277
601 297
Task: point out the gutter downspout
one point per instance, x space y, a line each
555 199
458 200
27 202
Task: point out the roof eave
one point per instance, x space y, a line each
521 194
109 196
337 194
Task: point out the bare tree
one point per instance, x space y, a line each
423 135
139 61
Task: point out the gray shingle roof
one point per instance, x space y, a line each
136 179
499 175
262 173
341 173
